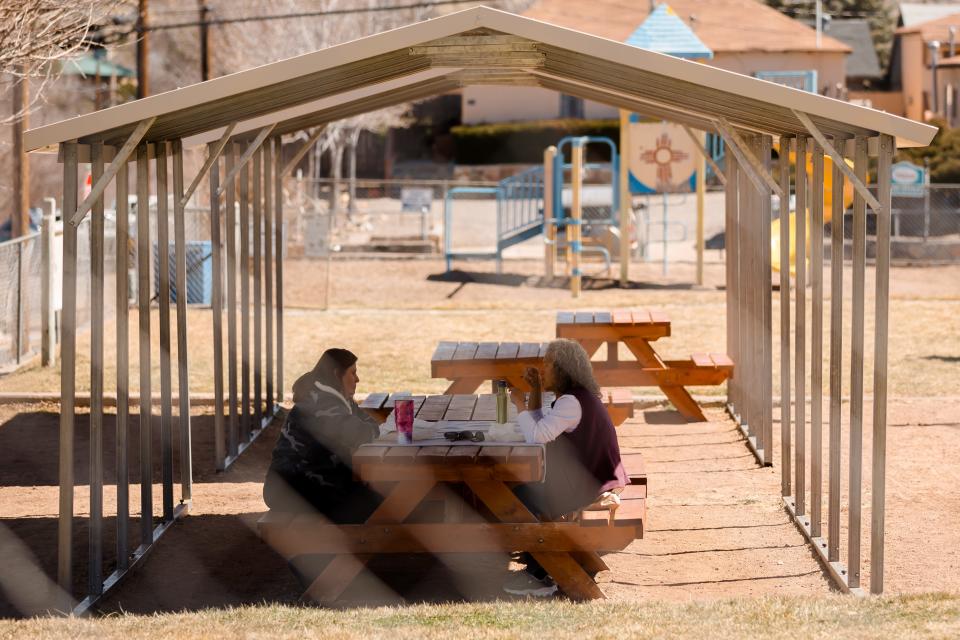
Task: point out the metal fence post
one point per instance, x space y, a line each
47 320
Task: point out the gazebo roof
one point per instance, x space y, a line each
475 46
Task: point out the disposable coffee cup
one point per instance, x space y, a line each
403 415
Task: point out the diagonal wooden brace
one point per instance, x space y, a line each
760 177
212 155
245 158
713 165
97 191
838 161
302 151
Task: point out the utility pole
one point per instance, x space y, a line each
143 52
204 40
20 211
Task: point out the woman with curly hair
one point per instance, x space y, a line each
582 453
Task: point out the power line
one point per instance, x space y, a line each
302 14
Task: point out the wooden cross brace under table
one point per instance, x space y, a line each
407 475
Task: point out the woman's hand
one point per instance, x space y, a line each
516 396
532 377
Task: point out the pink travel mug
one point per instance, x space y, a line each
403 415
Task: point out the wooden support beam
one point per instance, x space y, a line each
219 434
270 163
163 308
68 362
748 161
122 335
95 532
888 147
816 343
100 185
302 151
143 309
836 363
245 158
800 324
278 239
230 229
706 156
213 154
183 354
855 490
785 404
838 161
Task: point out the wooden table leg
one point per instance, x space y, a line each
591 562
463 385
676 394
337 576
567 572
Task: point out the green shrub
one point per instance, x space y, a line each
943 154
524 142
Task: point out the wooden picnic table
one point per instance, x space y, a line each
411 475
469 364
619 404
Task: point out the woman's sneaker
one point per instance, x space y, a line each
522 583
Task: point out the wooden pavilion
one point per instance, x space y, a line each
241 118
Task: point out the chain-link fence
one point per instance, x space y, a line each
19 299
384 215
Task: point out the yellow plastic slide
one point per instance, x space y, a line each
827 211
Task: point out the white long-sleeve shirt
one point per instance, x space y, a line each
541 426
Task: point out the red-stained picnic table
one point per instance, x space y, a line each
410 476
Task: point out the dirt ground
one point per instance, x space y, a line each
716 526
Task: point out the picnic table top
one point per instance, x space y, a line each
461 406
615 317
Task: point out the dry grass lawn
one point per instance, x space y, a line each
907 617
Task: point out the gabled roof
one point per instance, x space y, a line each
938 29
855 33
725 26
665 32
476 46
912 13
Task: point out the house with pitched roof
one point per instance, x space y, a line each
745 36
925 67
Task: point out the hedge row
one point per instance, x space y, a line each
524 142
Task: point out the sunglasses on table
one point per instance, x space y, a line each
456 436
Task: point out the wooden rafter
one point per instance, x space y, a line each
760 177
302 151
245 158
97 191
212 156
838 161
713 165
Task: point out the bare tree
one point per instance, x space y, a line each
36 34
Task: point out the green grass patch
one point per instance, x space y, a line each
903 617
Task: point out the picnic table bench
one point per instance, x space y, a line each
407 475
619 404
468 364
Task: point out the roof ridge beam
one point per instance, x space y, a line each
761 178
245 158
97 191
838 161
713 165
302 151
213 154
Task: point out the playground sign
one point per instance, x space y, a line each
661 158
908 180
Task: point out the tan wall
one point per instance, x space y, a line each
503 104
914 76
889 101
485 103
831 67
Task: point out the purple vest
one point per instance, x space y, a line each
595 442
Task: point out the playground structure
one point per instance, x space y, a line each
538 201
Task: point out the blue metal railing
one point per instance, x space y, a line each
519 205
